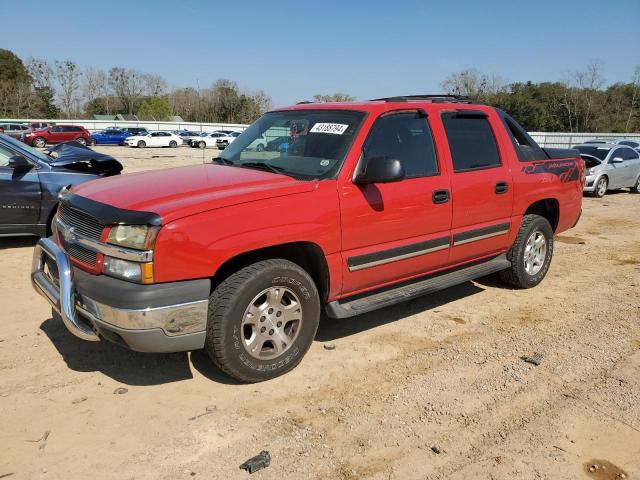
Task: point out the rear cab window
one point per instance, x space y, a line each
471 140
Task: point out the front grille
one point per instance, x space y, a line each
82 223
82 254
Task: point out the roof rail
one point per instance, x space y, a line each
439 98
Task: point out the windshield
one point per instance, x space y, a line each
27 149
304 144
598 152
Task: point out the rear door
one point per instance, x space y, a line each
56 134
481 185
393 231
19 194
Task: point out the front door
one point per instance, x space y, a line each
481 186
393 231
19 194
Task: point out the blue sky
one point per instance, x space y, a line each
294 49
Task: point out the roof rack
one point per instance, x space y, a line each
439 98
304 102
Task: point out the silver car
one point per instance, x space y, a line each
609 166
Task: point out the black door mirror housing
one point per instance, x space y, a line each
381 170
19 163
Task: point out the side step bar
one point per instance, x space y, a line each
395 294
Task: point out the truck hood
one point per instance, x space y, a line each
178 192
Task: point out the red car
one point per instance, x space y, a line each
57 134
361 206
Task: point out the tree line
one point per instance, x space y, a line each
582 101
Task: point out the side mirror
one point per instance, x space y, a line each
381 170
617 160
18 162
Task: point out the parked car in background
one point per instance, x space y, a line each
39 125
600 140
31 180
57 134
14 130
635 144
259 144
224 142
110 137
609 166
371 204
134 130
154 139
209 140
189 135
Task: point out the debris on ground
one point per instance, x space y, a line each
437 450
260 461
120 390
79 400
535 359
42 439
604 470
329 346
208 411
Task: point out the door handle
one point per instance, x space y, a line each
440 196
502 187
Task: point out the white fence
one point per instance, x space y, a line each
95 125
568 139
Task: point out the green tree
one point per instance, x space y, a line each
156 108
11 68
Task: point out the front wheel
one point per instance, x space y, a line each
531 253
81 141
142 144
636 186
39 142
262 320
601 187
173 144
202 145
260 147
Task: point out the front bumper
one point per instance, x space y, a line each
166 317
589 183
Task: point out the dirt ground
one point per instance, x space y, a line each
439 373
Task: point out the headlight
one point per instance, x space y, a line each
131 271
139 237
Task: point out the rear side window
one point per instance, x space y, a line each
526 148
628 153
405 137
471 141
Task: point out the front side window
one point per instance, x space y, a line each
304 144
405 137
56 129
471 141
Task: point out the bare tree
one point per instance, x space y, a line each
155 85
41 73
635 81
68 76
128 84
335 97
471 83
589 81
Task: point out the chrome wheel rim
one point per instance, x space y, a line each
535 253
602 186
40 143
271 323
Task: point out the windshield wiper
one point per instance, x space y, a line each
265 166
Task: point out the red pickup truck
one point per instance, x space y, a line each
362 205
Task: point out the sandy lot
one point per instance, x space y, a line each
442 372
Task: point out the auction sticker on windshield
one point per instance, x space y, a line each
335 128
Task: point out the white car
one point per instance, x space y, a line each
154 139
210 139
223 142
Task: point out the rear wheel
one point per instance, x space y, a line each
39 142
636 187
262 320
531 253
142 144
260 147
600 189
173 144
202 145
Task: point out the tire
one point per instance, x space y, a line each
231 325
81 141
142 144
260 147
173 144
636 186
39 142
528 268
600 188
202 145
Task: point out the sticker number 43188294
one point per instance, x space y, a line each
335 128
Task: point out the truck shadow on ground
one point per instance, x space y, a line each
334 328
17 242
145 369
